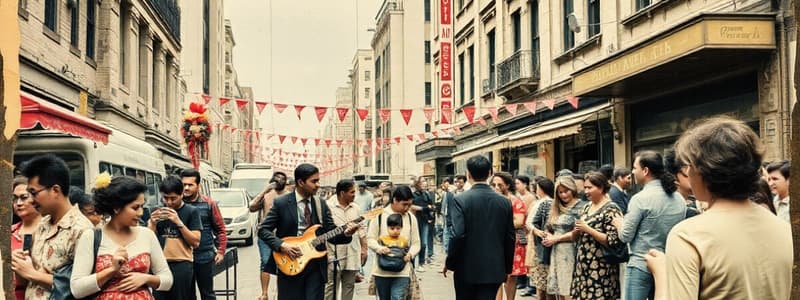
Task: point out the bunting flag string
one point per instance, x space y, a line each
241 103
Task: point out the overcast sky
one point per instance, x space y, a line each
313 45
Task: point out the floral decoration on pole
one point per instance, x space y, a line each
196 131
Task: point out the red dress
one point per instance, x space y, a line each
518 267
16 243
139 263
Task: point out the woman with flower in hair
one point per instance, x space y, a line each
129 261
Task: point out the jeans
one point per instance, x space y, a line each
391 288
431 234
264 252
447 235
204 279
424 233
639 285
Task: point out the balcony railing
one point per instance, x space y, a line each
170 12
521 66
488 85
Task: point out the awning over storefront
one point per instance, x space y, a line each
703 47
487 145
51 116
551 129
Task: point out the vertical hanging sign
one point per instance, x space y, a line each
446 61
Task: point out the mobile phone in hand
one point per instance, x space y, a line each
27 242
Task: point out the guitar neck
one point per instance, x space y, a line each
328 235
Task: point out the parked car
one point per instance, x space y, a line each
240 224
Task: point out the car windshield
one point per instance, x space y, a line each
253 186
229 198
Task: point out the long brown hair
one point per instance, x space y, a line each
568 183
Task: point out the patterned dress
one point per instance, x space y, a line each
518 267
562 258
593 277
139 263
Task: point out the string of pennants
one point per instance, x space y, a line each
263 136
386 113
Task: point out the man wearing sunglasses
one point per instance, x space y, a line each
54 238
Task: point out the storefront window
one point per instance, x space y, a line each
588 150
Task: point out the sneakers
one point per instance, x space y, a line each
420 269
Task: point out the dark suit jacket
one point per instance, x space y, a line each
482 248
619 198
281 221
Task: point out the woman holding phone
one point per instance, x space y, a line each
21 231
129 261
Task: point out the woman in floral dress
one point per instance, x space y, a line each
564 211
502 183
128 253
594 278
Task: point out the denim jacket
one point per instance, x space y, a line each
651 215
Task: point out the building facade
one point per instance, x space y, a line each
362 78
400 76
613 78
204 71
115 61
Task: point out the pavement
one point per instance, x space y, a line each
434 285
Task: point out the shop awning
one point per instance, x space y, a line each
51 116
706 46
487 145
551 129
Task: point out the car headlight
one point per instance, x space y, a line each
241 219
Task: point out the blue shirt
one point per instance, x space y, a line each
651 215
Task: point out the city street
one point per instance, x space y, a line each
434 285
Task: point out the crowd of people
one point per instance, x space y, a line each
689 224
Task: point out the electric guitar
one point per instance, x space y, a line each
308 243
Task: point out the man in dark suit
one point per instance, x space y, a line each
620 181
482 249
446 207
290 215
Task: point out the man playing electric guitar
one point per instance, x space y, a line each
290 216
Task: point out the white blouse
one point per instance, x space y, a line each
84 281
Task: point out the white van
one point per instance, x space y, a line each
253 178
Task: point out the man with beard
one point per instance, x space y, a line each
290 216
262 204
213 233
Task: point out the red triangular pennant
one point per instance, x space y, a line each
369 142
362 113
279 107
281 138
378 142
469 112
320 110
303 140
397 140
384 114
550 103
410 137
406 113
428 113
573 100
421 136
206 98
241 103
223 101
339 143
316 142
299 109
493 113
531 106
260 105
512 109
436 133
294 140
342 112
481 121
328 143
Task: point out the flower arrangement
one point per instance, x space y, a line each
196 131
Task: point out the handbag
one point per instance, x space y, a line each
522 236
62 275
393 262
616 254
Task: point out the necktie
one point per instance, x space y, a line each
307 211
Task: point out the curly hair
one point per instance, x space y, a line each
122 191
